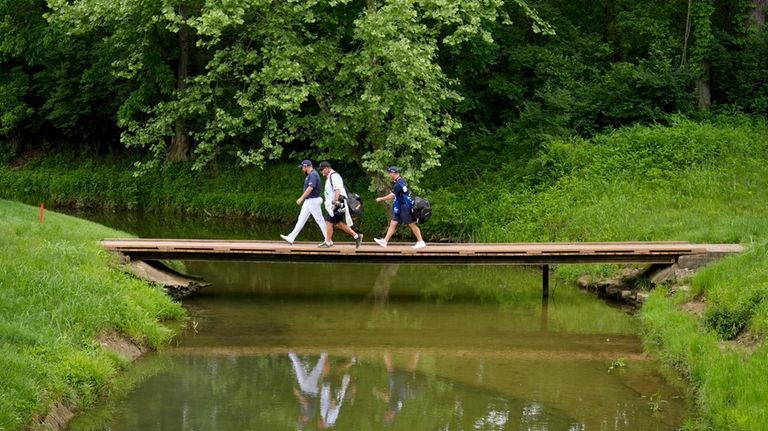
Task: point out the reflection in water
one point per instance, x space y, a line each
402 385
279 347
309 384
383 282
313 391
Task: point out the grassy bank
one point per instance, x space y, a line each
60 290
699 182
721 353
693 181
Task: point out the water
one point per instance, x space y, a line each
284 346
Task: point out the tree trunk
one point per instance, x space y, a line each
757 14
703 89
181 146
684 58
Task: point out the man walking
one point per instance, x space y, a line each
310 202
338 211
401 209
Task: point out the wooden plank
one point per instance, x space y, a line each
486 253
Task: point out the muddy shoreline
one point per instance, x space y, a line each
60 413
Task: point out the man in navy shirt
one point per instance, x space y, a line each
402 209
311 203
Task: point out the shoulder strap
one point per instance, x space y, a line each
330 178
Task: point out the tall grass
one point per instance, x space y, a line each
699 182
689 181
59 290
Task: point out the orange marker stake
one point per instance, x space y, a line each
42 210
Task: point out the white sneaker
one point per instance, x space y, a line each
287 239
420 244
381 242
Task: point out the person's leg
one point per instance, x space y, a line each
328 232
301 376
416 231
391 230
316 209
358 237
313 379
330 223
303 217
347 229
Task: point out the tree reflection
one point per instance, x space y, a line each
383 283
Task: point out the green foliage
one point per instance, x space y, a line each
727 384
640 183
13 86
737 290
267 194
741 76
702 12
358 82
370 83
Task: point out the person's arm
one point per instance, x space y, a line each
304 195
336 192
388 197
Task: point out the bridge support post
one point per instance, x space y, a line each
545 281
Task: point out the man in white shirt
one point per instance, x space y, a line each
338 211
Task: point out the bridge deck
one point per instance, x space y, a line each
443 253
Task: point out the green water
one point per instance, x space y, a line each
391 347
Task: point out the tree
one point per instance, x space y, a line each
756 16
147 47
355 81
701 14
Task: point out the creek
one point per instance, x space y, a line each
282 346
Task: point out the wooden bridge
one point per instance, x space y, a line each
542 254
435 253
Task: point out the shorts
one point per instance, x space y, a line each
335 219
405 216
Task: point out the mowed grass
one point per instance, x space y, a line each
58 291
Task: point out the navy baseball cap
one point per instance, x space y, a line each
324 165
393 169
305 163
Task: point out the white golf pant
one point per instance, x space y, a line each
308 382
313 207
